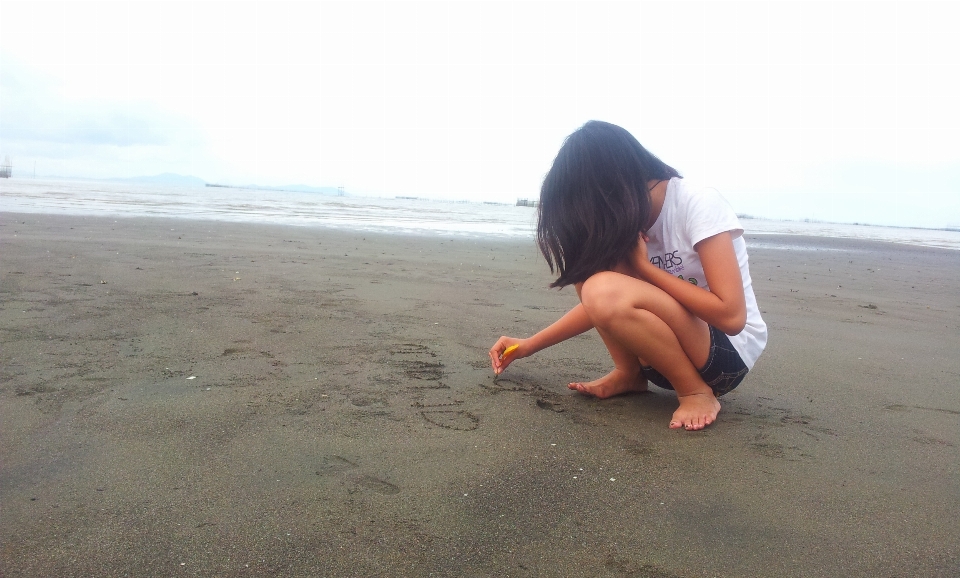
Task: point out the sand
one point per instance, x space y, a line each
191 398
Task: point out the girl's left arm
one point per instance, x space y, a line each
724 304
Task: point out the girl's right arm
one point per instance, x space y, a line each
573 323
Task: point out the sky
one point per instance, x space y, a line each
839 111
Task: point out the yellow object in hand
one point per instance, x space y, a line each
509 350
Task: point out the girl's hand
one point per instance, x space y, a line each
501 361
639 259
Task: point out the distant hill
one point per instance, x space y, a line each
171 179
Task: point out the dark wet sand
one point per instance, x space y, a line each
343 420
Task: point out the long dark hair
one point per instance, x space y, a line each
594 201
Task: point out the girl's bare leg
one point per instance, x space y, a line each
625 377
647 322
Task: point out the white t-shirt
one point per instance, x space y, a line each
689 216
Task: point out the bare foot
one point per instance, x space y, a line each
611 384
696 411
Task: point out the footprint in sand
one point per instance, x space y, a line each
459 420
898 407
334 464
547 404
377 485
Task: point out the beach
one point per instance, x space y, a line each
202 398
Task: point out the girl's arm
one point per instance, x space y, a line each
724 305
573 322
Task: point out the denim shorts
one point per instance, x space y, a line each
724 369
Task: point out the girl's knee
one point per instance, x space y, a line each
604 297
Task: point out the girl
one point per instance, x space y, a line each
660 269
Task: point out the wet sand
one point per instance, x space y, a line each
211 399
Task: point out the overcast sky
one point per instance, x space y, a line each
831 110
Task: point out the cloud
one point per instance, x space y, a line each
90 136
33 110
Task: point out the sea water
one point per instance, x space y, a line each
390 215
396 215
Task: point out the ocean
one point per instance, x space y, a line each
390 215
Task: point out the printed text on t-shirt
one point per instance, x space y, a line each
673 264
668 262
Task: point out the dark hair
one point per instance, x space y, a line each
594 201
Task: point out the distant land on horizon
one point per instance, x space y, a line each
165 179
293 188
174 179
